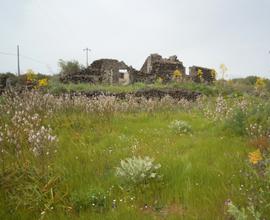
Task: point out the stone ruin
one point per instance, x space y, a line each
155 67
202 74
108 71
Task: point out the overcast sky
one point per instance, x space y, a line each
199 32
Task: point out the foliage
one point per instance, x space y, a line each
30 76
200 74
177 75
69 67
254 187
43 82
180 127
94 134
95 199
255 157
27 187
137 170
260 83
27 147
7 80
243 214
223 70
236 213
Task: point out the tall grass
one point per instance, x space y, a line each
95 135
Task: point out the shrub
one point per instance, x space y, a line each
243 214
95 199
180 127
69 67
237 213
138 171
237 123
254 187
254 121
26 187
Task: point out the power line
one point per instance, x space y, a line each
8 54
28 58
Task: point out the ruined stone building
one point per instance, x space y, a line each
202 74
155 67
110 71
107 71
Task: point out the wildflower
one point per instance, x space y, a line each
255 156
43 82
30 75
260 83
177 74
200 74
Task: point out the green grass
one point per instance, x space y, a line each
197 169
230 88
56 87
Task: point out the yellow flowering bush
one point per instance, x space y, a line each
177 74
254 187
30 76
255 157
260 83
43 82
200 74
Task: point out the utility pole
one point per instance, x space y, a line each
86 50
18 60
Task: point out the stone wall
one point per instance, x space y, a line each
156 67
177 94
202 74
108 71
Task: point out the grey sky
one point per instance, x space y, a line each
199 32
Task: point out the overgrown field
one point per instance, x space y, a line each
78 158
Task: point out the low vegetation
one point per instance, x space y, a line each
75 157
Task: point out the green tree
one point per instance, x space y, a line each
69 67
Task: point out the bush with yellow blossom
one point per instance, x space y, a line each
33 80
31 76
43 82
260 85
200 74
177 74
254 187
255 157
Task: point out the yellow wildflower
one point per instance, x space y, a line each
30 75
177 74
200 73
43 82
255 156
260 83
